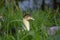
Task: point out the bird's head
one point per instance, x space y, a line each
28 17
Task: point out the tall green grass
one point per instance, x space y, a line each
37 31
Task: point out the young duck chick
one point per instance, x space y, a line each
26 19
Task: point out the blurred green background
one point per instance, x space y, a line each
10 11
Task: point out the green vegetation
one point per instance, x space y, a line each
37 31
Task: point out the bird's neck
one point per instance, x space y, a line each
26 23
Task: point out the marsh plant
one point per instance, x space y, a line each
43 19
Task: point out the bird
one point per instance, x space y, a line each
26 24
26 19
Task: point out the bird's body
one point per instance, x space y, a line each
26 23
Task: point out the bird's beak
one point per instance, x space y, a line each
32 19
